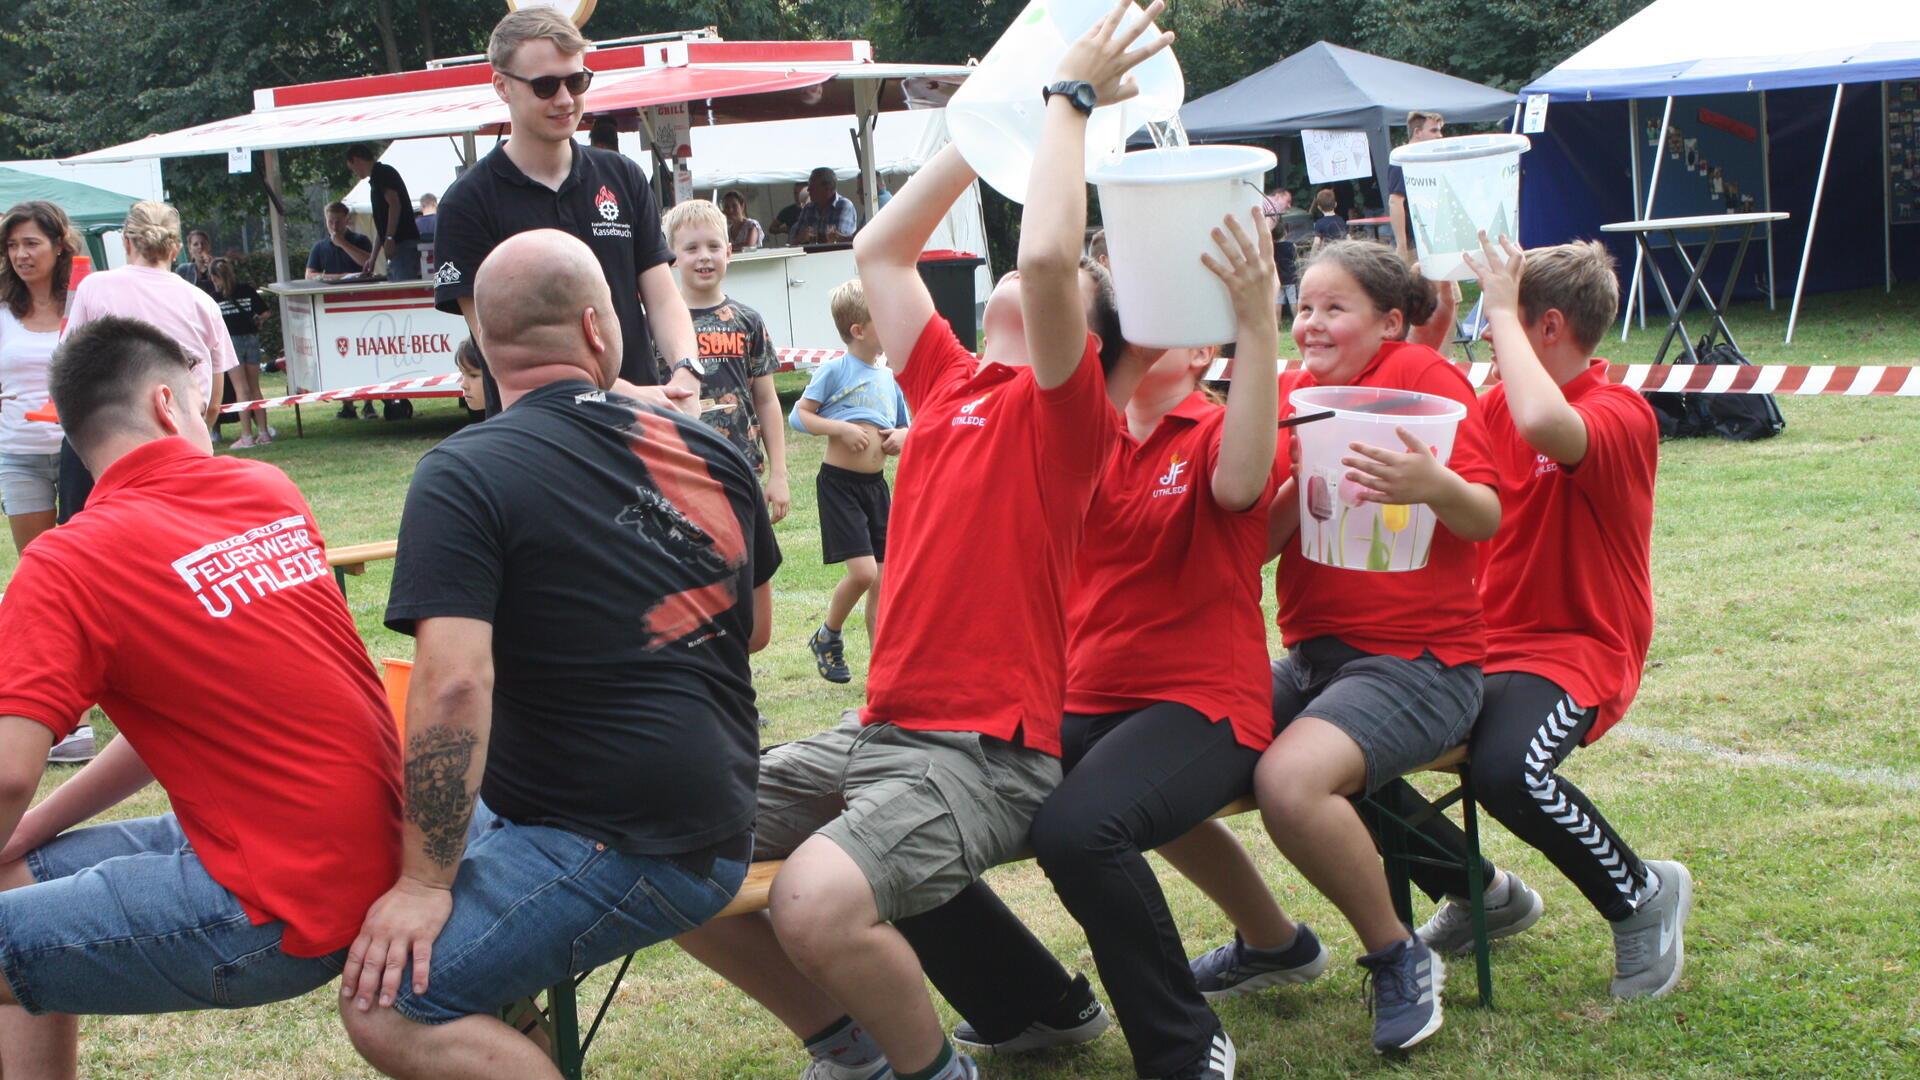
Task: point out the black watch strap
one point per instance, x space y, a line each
1079 93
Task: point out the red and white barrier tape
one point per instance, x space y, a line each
449 385
1790 379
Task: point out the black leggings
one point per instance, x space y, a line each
1134 781
1527 727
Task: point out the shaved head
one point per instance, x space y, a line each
545 313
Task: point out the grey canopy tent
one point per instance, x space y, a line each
1328 86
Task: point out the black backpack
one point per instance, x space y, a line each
1736 417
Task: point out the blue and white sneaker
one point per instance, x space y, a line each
822 1069
1234 969
1406 979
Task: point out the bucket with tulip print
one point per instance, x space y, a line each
1339 528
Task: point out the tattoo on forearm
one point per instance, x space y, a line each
438 802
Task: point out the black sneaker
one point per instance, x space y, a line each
1406 978
346 412
1079 1018
830 656
1219 1063
367 413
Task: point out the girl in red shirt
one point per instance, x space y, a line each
1382 672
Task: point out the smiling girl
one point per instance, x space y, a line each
1382 670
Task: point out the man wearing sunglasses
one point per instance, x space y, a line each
540 178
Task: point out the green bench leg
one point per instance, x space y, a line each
1476 890
1398 837
568 1055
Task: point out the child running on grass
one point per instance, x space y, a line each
734 373
855 403
1382 672
1568 591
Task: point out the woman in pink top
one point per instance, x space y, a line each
147 289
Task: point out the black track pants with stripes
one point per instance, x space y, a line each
1527 727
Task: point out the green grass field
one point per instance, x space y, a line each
1772 749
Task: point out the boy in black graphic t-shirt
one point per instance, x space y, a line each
734 372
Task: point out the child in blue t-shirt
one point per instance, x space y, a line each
854 402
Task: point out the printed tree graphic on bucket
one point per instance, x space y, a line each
1455 189
1339 526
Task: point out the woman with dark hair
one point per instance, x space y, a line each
243 311
743 232
40 246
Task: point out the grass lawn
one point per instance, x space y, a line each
1772 749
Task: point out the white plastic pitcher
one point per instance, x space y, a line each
995 116
1160 208
1336 528
1457 188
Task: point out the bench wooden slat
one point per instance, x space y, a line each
759 881
361 554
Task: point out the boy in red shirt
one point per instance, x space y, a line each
1568 593
892 814
286 823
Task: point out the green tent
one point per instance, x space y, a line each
93 210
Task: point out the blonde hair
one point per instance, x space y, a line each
1577 279
153 228
1417 117
849 306
693 212
533 24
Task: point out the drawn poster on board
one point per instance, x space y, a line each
1709 159
1336 155
1903 150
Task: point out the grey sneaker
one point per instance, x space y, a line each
1234 969
1649 946
75 748
1080 1018
1450 930
1405 995
822 1069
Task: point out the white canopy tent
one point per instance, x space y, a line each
1676 48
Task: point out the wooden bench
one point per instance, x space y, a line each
559 1018
353 558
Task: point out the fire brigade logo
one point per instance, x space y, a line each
608 205
340 343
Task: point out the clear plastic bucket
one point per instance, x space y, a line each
1160 208
1336 528
995 116
1456 189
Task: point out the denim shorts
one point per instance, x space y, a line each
534 906
922 813
246 349
125 920
27 482
1402 713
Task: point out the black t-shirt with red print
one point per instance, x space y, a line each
605 201
615 548
734 351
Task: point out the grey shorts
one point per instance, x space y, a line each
922 813
1401 713
28 482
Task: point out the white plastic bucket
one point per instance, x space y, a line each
1336 528
1160 208
995 116
1456 189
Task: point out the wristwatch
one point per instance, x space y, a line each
1079 93
691 363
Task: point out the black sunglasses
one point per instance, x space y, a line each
545 86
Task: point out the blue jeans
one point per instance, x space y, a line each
404 263
533 906
125 920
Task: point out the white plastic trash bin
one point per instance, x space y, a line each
1336 527
1456 189
1160 208
995 117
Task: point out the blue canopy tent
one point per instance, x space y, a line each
1328 86
1746 120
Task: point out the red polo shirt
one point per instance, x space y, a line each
192 601
1165 604
1434 609
989 504
1568 581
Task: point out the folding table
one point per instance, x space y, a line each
1712 225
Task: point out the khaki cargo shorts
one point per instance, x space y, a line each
922 813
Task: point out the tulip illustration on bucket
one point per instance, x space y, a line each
1338 527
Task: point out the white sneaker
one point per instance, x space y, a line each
75 748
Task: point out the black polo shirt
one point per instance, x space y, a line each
605 201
